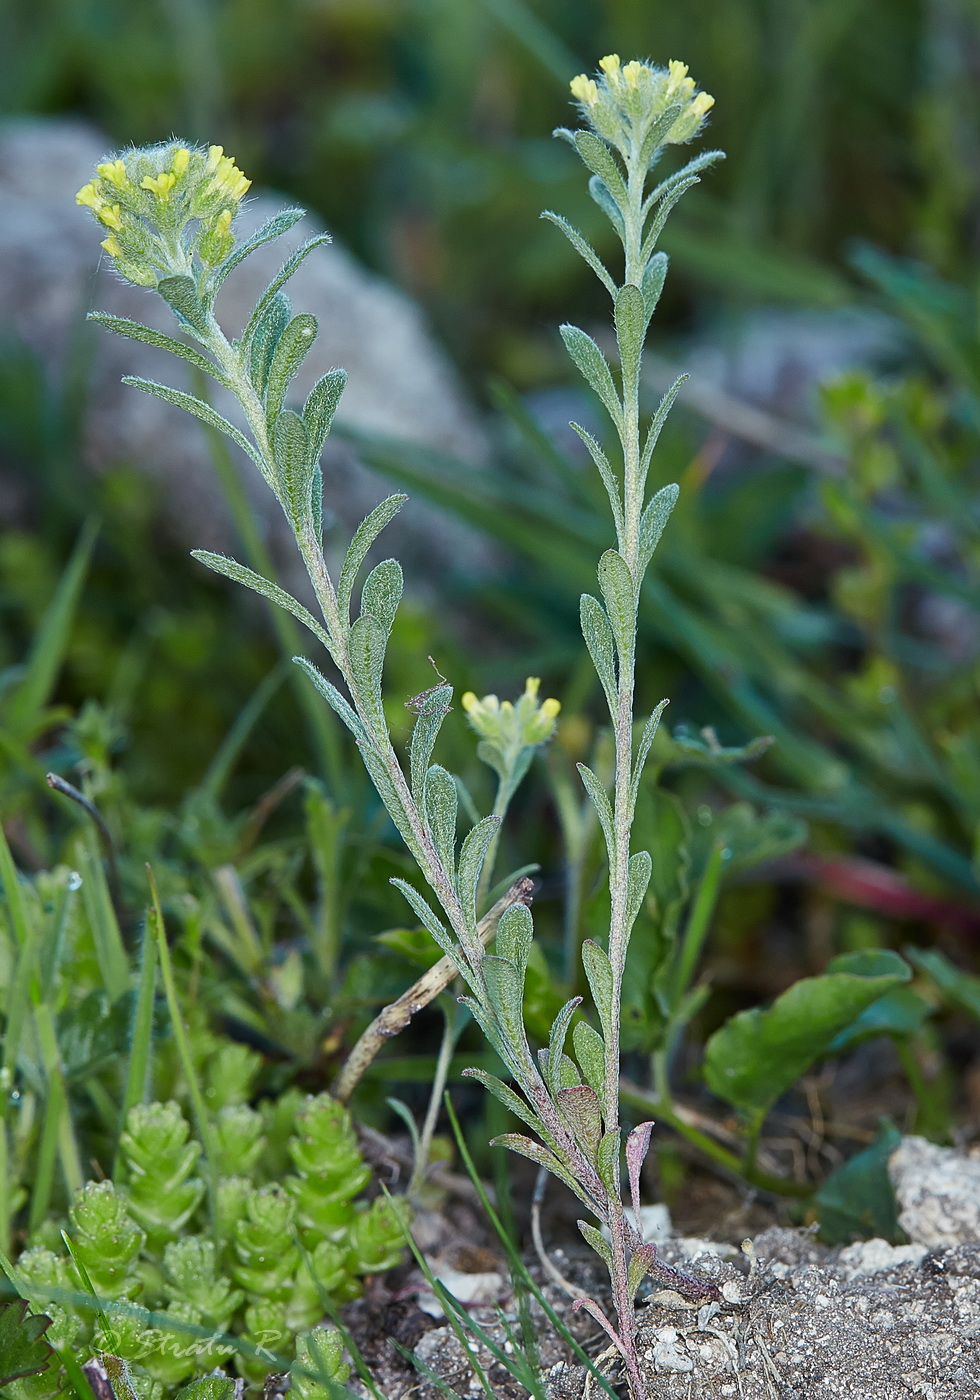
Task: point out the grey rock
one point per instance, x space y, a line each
938 1190
400 384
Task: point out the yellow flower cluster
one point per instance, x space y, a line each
512 727
626 99
165 207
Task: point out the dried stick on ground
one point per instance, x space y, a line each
395 1017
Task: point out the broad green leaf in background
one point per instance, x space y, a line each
23 1349
857 1201
759 1054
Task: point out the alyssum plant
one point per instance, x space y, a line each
169 213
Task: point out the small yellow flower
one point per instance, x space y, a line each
584 90
111 245
223 222
180 161
109 214
610 66
160 185
228 179
633 72
90 197
115 172
702 104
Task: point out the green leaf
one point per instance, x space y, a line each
619 596
758 1054
263 344
333 698
471 859
600 193
208 1388
390 796
280 280
515 934
230 568
368 640
294 345
857 1201
652 285
364 537
279 223
382 592
590 1051
601 804
580 1108
534 1152
597 156
135 330
606 473
663 213
441 801
607 1162
556 1043
431 713
198 409
598 971
631 329
583 248
659 132
597 1241
637 881
428 919
506 1095
23 1348
961 988
505 993
180 294
900 1013
24 704
655 515
656 427
594 368
291 447
643 748
320 407
598 634
693 167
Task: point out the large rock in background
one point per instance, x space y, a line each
400 383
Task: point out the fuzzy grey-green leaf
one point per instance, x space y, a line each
294 345
198 409
600 193
556 1042
517 1142
333 697
607 1162
181 296
231 568
594 368
643 749
597 1241
425 733
601 643
321 405
598 158
590 1051
637 881
604 468
367 654
471 859
601 804
382 592
619 595
364 536
653 521
441 802
631 329
280 280
291 447
263 344
583 248
272 228
135 330
428 919
652 284
505 994
515 934
506 1095
658 132
580 1108
598 971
